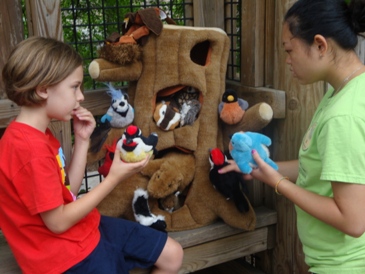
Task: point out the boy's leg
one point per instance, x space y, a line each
141 246
170 259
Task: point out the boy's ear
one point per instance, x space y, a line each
42 92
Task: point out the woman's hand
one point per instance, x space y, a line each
264 172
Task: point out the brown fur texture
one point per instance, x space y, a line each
194 57
122 54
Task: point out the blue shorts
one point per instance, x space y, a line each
123 246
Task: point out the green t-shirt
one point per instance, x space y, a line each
333 149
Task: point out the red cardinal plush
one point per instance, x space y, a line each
109 156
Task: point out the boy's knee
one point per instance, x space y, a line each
171 257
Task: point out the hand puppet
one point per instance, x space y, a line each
127 48
232 108
120 113
134 147
166 116
142 212
108 160
189 112
231 184
241 146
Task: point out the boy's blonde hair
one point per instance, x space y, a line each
37 61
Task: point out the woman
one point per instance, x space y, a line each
319 37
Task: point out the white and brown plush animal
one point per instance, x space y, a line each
166 116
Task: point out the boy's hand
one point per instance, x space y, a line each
83 123
121 170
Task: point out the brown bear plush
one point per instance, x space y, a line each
177 179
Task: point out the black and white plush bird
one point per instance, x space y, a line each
142 212
134 146
231 184
232 108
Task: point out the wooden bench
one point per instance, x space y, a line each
203 247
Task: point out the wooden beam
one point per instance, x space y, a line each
44 19
253 95
208 13
253 43
11 32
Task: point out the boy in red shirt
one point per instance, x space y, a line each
48 230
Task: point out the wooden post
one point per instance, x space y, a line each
252 43
11 32
44 19
208 13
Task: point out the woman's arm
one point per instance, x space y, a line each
289 168
344 211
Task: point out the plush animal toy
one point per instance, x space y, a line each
120 113
232 108
127 48
108 160
134 146
231 184
241 146
142 211
195 57
166 116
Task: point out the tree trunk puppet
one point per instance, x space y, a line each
179 58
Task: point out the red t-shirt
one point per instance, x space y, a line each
32 180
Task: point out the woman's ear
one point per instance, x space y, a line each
42 92
321 44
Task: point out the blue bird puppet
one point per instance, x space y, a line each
231 184
120 113
241 146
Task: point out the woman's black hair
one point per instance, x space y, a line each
339 20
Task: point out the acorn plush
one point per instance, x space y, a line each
232 108
134 146
231 184
241 146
